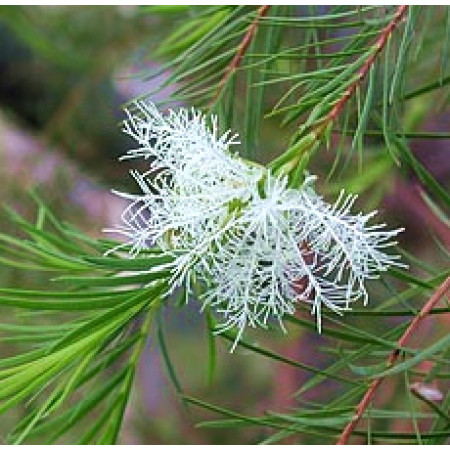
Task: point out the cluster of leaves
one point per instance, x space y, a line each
290 66
79 368
299 62
360 357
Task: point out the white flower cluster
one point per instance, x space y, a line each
255 245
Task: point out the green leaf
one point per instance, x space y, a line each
166 357
422 355
189 33
280 358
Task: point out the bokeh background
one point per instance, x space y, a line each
65 72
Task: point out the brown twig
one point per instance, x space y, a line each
367 398
379 45
243 46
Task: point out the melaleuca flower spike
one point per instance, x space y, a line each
255 246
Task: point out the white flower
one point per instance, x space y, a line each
255 245
350 250
253 275
290 246
193 178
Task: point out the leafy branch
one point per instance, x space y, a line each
368 396
108 313
316 128
378 48
243 46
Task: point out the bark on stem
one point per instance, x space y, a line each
379 46
243 46
367 398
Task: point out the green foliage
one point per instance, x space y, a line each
80 340
300 63
61 368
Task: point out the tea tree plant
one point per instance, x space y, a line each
251 236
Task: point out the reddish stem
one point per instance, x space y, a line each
379 45
243 46
367 398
